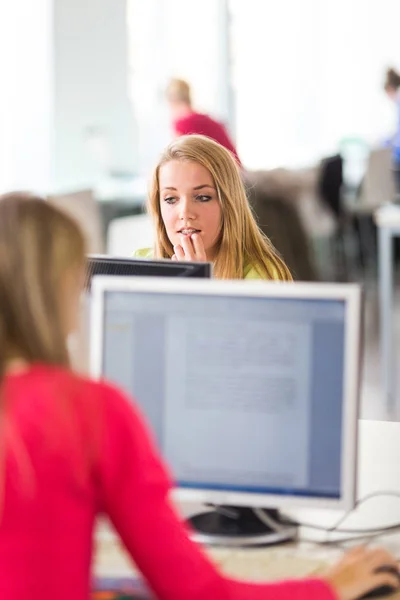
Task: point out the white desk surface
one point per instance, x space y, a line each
379 470
388 216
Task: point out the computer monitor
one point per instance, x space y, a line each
251 388
110 265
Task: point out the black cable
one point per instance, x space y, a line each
389 493
372 530
353 538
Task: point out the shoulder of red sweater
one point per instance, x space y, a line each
47 373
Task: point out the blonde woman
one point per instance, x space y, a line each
71 448
200 212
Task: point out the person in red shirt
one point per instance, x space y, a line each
72 448
186 120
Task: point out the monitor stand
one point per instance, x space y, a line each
241 526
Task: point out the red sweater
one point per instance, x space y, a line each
200 124
56 423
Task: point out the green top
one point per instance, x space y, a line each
249 272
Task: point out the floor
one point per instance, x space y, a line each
372 402
372 405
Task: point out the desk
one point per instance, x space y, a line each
379 469
388 222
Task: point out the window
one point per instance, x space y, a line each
175 38
306 74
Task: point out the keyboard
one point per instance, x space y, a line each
259 564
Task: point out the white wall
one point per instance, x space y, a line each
195 38
176 38
63 70
91 89
310 73
26 94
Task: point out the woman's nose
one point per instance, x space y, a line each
186 210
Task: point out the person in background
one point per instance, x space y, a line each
392 89
186 120
71 448
200 212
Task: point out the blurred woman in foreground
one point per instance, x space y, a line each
72 448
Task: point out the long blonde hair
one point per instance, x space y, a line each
241 242
38 244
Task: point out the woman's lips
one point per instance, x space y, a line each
188 231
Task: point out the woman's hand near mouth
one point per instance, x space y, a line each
190 249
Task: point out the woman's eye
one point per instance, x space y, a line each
203 198
170 200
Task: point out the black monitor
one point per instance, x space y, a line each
144 267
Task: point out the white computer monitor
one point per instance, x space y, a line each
251 388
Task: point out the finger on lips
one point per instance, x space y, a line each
179 253
198 246
188 248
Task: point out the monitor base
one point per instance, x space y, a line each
241 526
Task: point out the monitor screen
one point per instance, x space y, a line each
246 394
109 265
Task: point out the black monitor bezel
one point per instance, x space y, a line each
202 270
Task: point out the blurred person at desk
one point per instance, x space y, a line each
200 212
72 448
392 89
186 120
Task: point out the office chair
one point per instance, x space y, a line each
83 207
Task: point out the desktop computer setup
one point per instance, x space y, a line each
251 389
